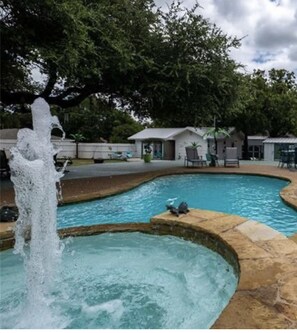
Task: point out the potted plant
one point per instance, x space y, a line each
147 157
97 159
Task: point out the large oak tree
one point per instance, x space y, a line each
167 65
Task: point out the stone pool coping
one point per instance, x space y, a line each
266 296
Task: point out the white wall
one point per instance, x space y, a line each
102 150
6 145
86 150
269 151
234 140
138 146
185 139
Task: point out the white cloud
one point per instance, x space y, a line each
269 28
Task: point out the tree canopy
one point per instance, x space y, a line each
164 65
268 101
98 122
267 104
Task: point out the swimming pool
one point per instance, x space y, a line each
254 197
124 280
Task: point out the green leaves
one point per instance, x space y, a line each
171 66
267 103
78 137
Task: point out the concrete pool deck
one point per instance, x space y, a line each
266 296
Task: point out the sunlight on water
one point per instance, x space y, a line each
253 197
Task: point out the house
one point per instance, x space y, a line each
273 146
170 143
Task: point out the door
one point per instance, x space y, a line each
169 150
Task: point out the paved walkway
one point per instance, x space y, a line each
106 170
122 168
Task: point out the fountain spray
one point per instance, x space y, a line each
35 181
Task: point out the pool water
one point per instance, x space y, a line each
254 197
124 280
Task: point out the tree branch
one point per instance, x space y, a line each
64 100
50 84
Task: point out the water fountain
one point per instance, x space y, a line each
35 177
124 280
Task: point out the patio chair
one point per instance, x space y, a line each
286 159
4 166
231 157
193 157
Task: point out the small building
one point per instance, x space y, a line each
273 146
170 143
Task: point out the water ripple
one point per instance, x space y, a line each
253 197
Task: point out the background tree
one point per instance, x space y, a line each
249 115
120 133
267 104
169 66
10 119
281 105
98 121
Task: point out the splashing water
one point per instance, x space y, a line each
34 177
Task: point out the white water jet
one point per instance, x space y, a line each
35 181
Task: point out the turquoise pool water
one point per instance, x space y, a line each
254 197
124 280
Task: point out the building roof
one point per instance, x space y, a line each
170 133
163 133
281 140
257 137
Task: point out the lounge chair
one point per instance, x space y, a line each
231 157
4 166
193 157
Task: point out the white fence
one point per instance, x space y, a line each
85 150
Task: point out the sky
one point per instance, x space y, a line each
268 29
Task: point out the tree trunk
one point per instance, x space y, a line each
76 154
246 147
